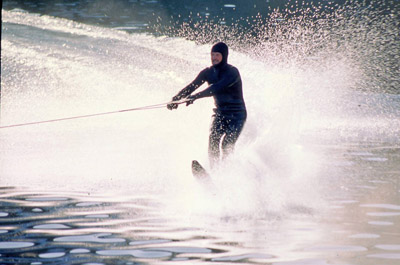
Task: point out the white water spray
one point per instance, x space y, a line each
69 69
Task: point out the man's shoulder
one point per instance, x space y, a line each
231 68
225 68
206 70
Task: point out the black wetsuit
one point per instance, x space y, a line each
230 112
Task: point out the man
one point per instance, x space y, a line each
225 85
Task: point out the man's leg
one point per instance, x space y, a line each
233 131
216 133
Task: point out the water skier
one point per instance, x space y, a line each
225 85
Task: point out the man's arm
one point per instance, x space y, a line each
196 83
228 80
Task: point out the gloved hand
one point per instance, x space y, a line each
190 100
172 106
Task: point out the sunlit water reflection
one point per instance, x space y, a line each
357 225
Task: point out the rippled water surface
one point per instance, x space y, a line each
355 222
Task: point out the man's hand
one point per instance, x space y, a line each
190 100
172 106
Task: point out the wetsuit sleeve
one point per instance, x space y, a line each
229 79
186 91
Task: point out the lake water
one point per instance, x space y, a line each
315 177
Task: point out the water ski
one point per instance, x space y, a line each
199 172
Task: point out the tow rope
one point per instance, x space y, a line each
156 106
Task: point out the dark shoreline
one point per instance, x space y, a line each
151 15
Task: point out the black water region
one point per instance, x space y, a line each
159 16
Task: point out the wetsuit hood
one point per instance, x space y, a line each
222 48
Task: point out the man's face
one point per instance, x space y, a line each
216 58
